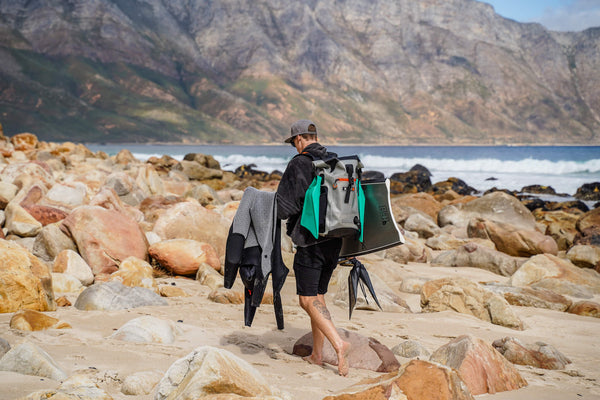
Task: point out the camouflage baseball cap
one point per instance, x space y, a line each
301 127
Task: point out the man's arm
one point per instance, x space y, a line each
292 187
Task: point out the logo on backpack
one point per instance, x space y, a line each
334 203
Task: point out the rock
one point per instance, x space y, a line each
184 256
107 198
43 214
588 226
125 157
208 276
411 251
8 191
417 179
115 296
148 329
154 206
205 160
444 241
561 276
585 256
105 237
466 297
452 184
198 172
66 195
538 355
560 225
423 202
29 320
172 291
141 383
588 236
51 241
496 206
135 272
31 171
25 282
530 297
474 256
70 262
424 227
76 387
481 367
389 301
149 182
411 349
585 308
417 380
29 359
24 141
125 187
4 347
365 352
63 302
204 194
19 222
512 240
226 296
65 283
538 189
211 371
189 220
588 192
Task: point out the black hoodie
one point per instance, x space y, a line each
290 194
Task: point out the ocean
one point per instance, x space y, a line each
564 168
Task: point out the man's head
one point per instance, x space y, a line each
303 132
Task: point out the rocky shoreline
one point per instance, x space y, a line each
111 286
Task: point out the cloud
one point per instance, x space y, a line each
577 16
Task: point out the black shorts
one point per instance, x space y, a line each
314 265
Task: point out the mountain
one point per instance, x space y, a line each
241 71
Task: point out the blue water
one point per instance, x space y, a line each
565 168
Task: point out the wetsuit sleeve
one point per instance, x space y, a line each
292 187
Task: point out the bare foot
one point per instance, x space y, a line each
313 359
343 365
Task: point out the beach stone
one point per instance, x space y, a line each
30 320
418 380
162 165
198 172
588 236
172 291
481 367
365 352
412 250
189 220
154 206
50 242
204 194
105 237
135 272
184 256
475 256
496 206
423 202
67 195
33 172
424 227
585 256
24 141
70 262
8 191
411 349
556 274
19 222
65 283
590 219
107 198
417 179
208 276
76 387
588 192
445 241
4 347
203 159
560 225
388 299
538 355
512 240
211 371
585 308
125 157
148 329
141 383
62 301
532 297
226 296
114 295
466 297
28 359
125 187
452 184
149 181
44 214
412 284
25 282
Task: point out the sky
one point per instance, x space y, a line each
556 15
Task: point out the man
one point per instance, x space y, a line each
315 259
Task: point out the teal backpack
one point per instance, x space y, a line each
334 204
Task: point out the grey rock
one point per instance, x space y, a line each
51 241
115 296
411 349
475 256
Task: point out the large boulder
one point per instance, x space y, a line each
496 206
365 352
585 256
148 329
417 380
25 282
184 256
466 297
19 222
559 275
421 201
512 240
481 367
28 359
105 237
585 308
475 256
116 296
209 371
538 355
532 297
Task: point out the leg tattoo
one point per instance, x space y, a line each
322 309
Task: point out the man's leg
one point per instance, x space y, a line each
322 326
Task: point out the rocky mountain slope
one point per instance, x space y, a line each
240 71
